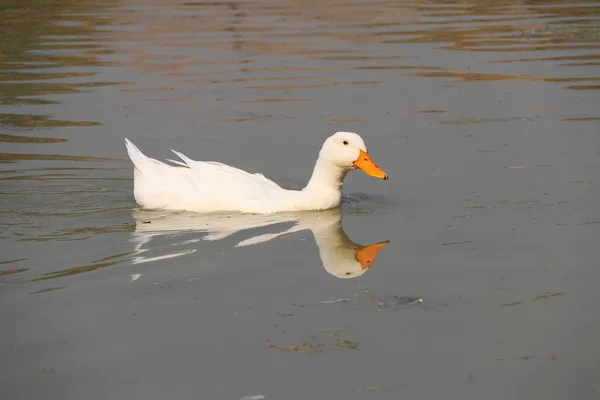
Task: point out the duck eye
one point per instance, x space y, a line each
345 143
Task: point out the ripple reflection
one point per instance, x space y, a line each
340 256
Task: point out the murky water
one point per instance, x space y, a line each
485 115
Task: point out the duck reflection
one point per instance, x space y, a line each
340 256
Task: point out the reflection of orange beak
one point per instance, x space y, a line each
365 163
366 255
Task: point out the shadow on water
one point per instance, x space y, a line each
340 256
160 235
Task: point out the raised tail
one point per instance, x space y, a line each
138 158
142 162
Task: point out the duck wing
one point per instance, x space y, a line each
218 178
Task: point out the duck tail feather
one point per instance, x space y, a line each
137 157
188 161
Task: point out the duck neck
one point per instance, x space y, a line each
326 177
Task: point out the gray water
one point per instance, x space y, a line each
485 115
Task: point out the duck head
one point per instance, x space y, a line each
348 151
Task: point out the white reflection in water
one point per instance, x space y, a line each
340 256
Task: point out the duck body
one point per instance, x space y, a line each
208 186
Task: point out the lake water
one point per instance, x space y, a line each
485 114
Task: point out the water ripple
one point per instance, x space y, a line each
75 76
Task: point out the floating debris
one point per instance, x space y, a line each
546 295
451 243
369 389
558 203
13 271
519 201
462 216
314 345
397 302
349 344
337 301
513 304
310 349
48 290
381 303
550 356
561 31
338 330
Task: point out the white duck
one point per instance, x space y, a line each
208 186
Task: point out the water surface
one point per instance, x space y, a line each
484 114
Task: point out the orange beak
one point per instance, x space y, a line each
365 163
366 255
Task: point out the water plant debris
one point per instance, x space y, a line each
315 344
550 356
546 295
451 243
